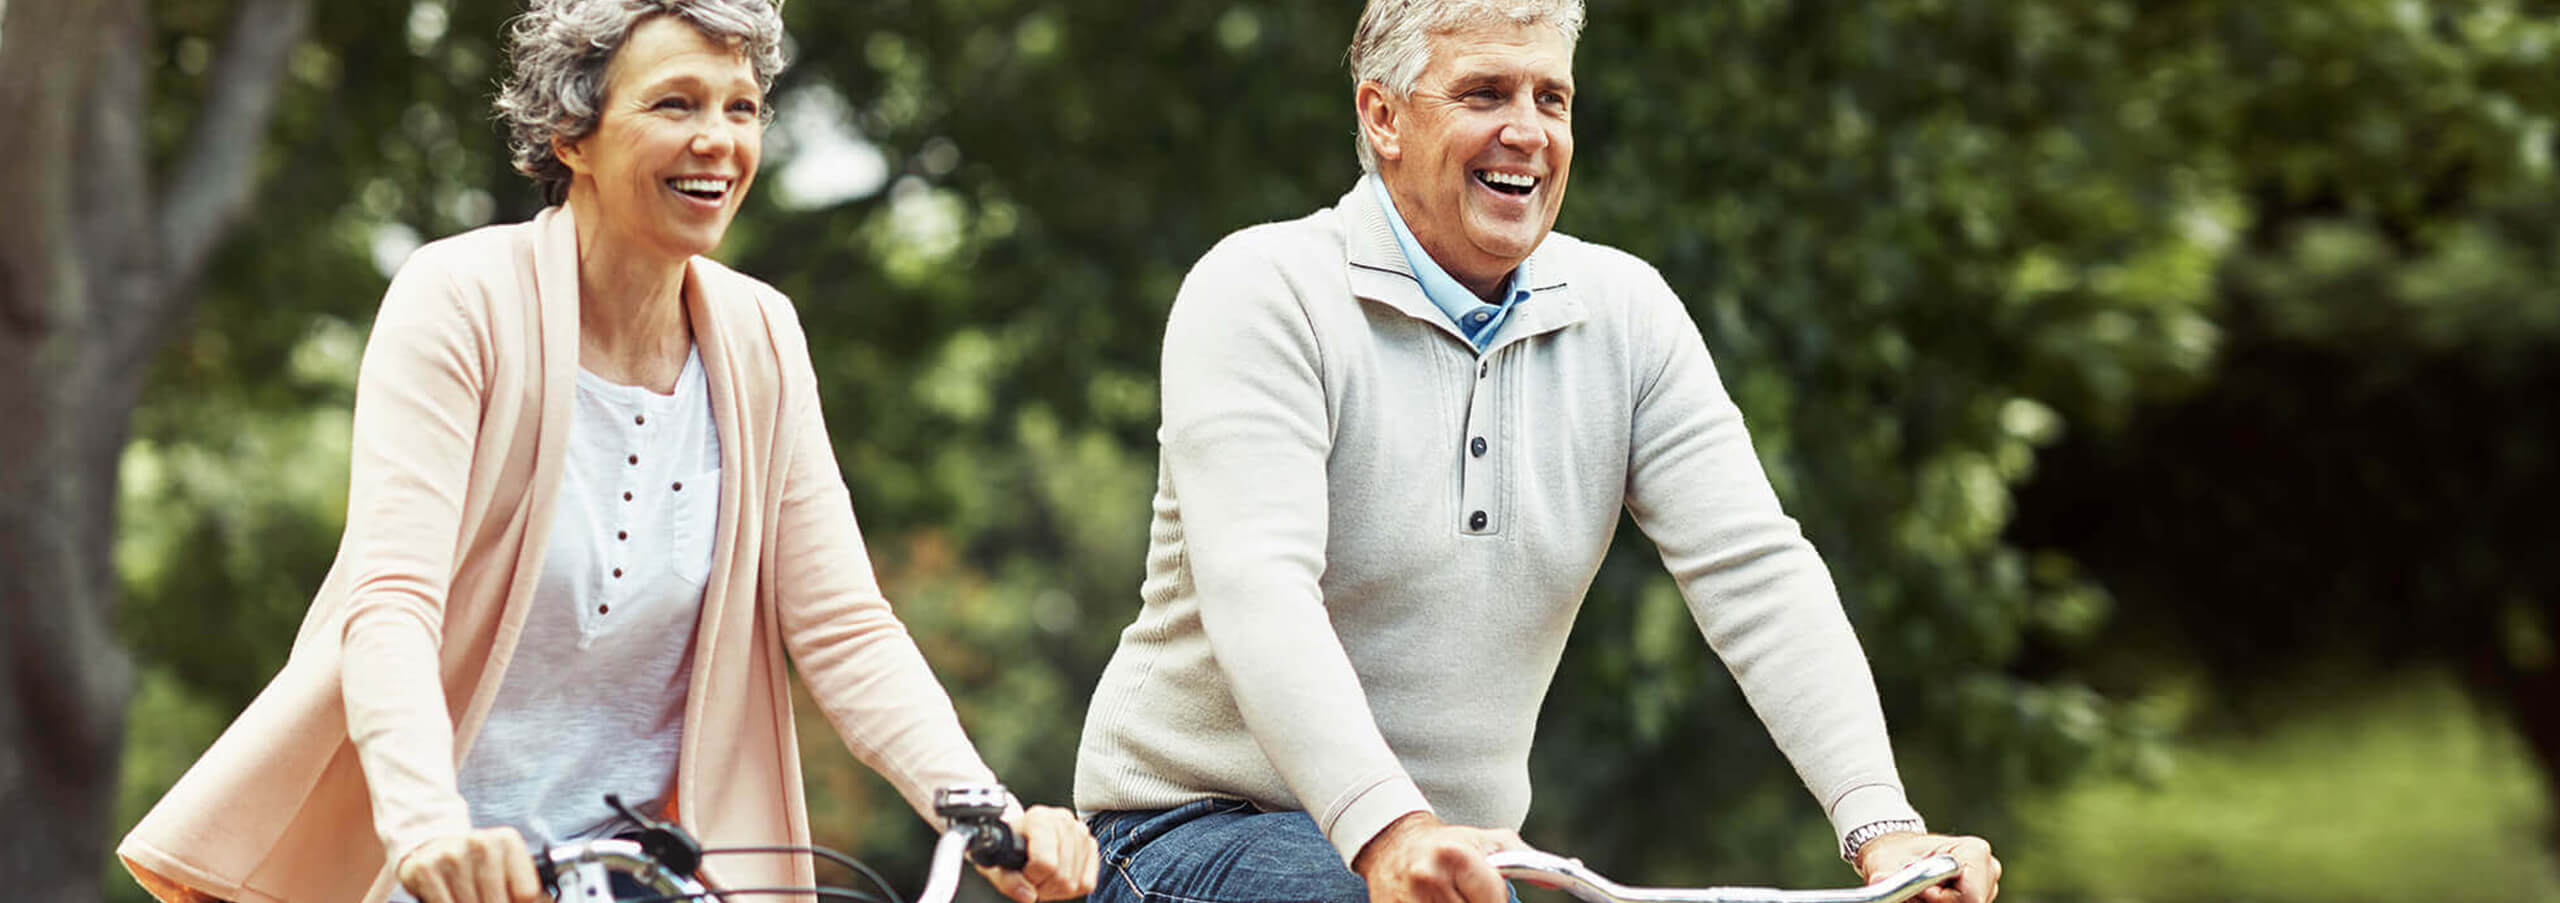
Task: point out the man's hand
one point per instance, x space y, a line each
489 865
1062 861
1420 859
1977 878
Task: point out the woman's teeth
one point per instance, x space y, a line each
707 189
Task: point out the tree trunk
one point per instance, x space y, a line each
94 274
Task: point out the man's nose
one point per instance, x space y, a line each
1523 128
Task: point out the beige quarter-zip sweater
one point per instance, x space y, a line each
1370 539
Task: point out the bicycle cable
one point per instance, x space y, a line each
887 893
831 893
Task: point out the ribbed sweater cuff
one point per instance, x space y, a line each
1868 805
1368 813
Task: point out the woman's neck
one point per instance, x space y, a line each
632 326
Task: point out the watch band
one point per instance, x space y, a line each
1860 835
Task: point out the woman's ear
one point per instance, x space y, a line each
570 154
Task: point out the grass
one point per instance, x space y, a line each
2390 792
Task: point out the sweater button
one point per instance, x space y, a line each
1476 521
1476 446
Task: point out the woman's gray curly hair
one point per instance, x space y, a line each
1393 42
556 58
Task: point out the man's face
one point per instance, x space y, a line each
1477 157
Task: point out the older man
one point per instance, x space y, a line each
1397 437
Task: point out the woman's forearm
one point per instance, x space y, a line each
396 714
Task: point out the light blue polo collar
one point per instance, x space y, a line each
1478 320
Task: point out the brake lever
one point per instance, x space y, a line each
671 845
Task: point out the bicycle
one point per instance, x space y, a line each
662 860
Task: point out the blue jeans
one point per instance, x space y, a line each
1219 851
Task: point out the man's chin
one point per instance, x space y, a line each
1510 247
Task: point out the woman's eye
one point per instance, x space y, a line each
747 107
671 103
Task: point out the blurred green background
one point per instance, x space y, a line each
2168 385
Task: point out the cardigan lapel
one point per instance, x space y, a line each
555 292
709 305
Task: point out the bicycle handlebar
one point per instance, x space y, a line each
1571 876
662 858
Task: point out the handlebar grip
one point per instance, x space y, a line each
543 874
995 845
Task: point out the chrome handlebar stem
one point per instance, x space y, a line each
1571 876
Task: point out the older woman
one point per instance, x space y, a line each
593 504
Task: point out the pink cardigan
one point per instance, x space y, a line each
462 416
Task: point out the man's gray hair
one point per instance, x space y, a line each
1393 43
556 58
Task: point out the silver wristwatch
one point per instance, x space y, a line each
1859 836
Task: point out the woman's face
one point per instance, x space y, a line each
676 144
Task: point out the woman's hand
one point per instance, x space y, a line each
1063 863
490 865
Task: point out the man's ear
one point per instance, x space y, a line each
1379 120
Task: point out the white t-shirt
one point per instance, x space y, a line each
593 700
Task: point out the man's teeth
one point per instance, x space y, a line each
706 186
1507 180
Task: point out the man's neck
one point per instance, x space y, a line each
1486 288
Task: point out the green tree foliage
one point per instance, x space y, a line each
1925 239
2369 478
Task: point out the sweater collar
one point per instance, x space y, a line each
1378 271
